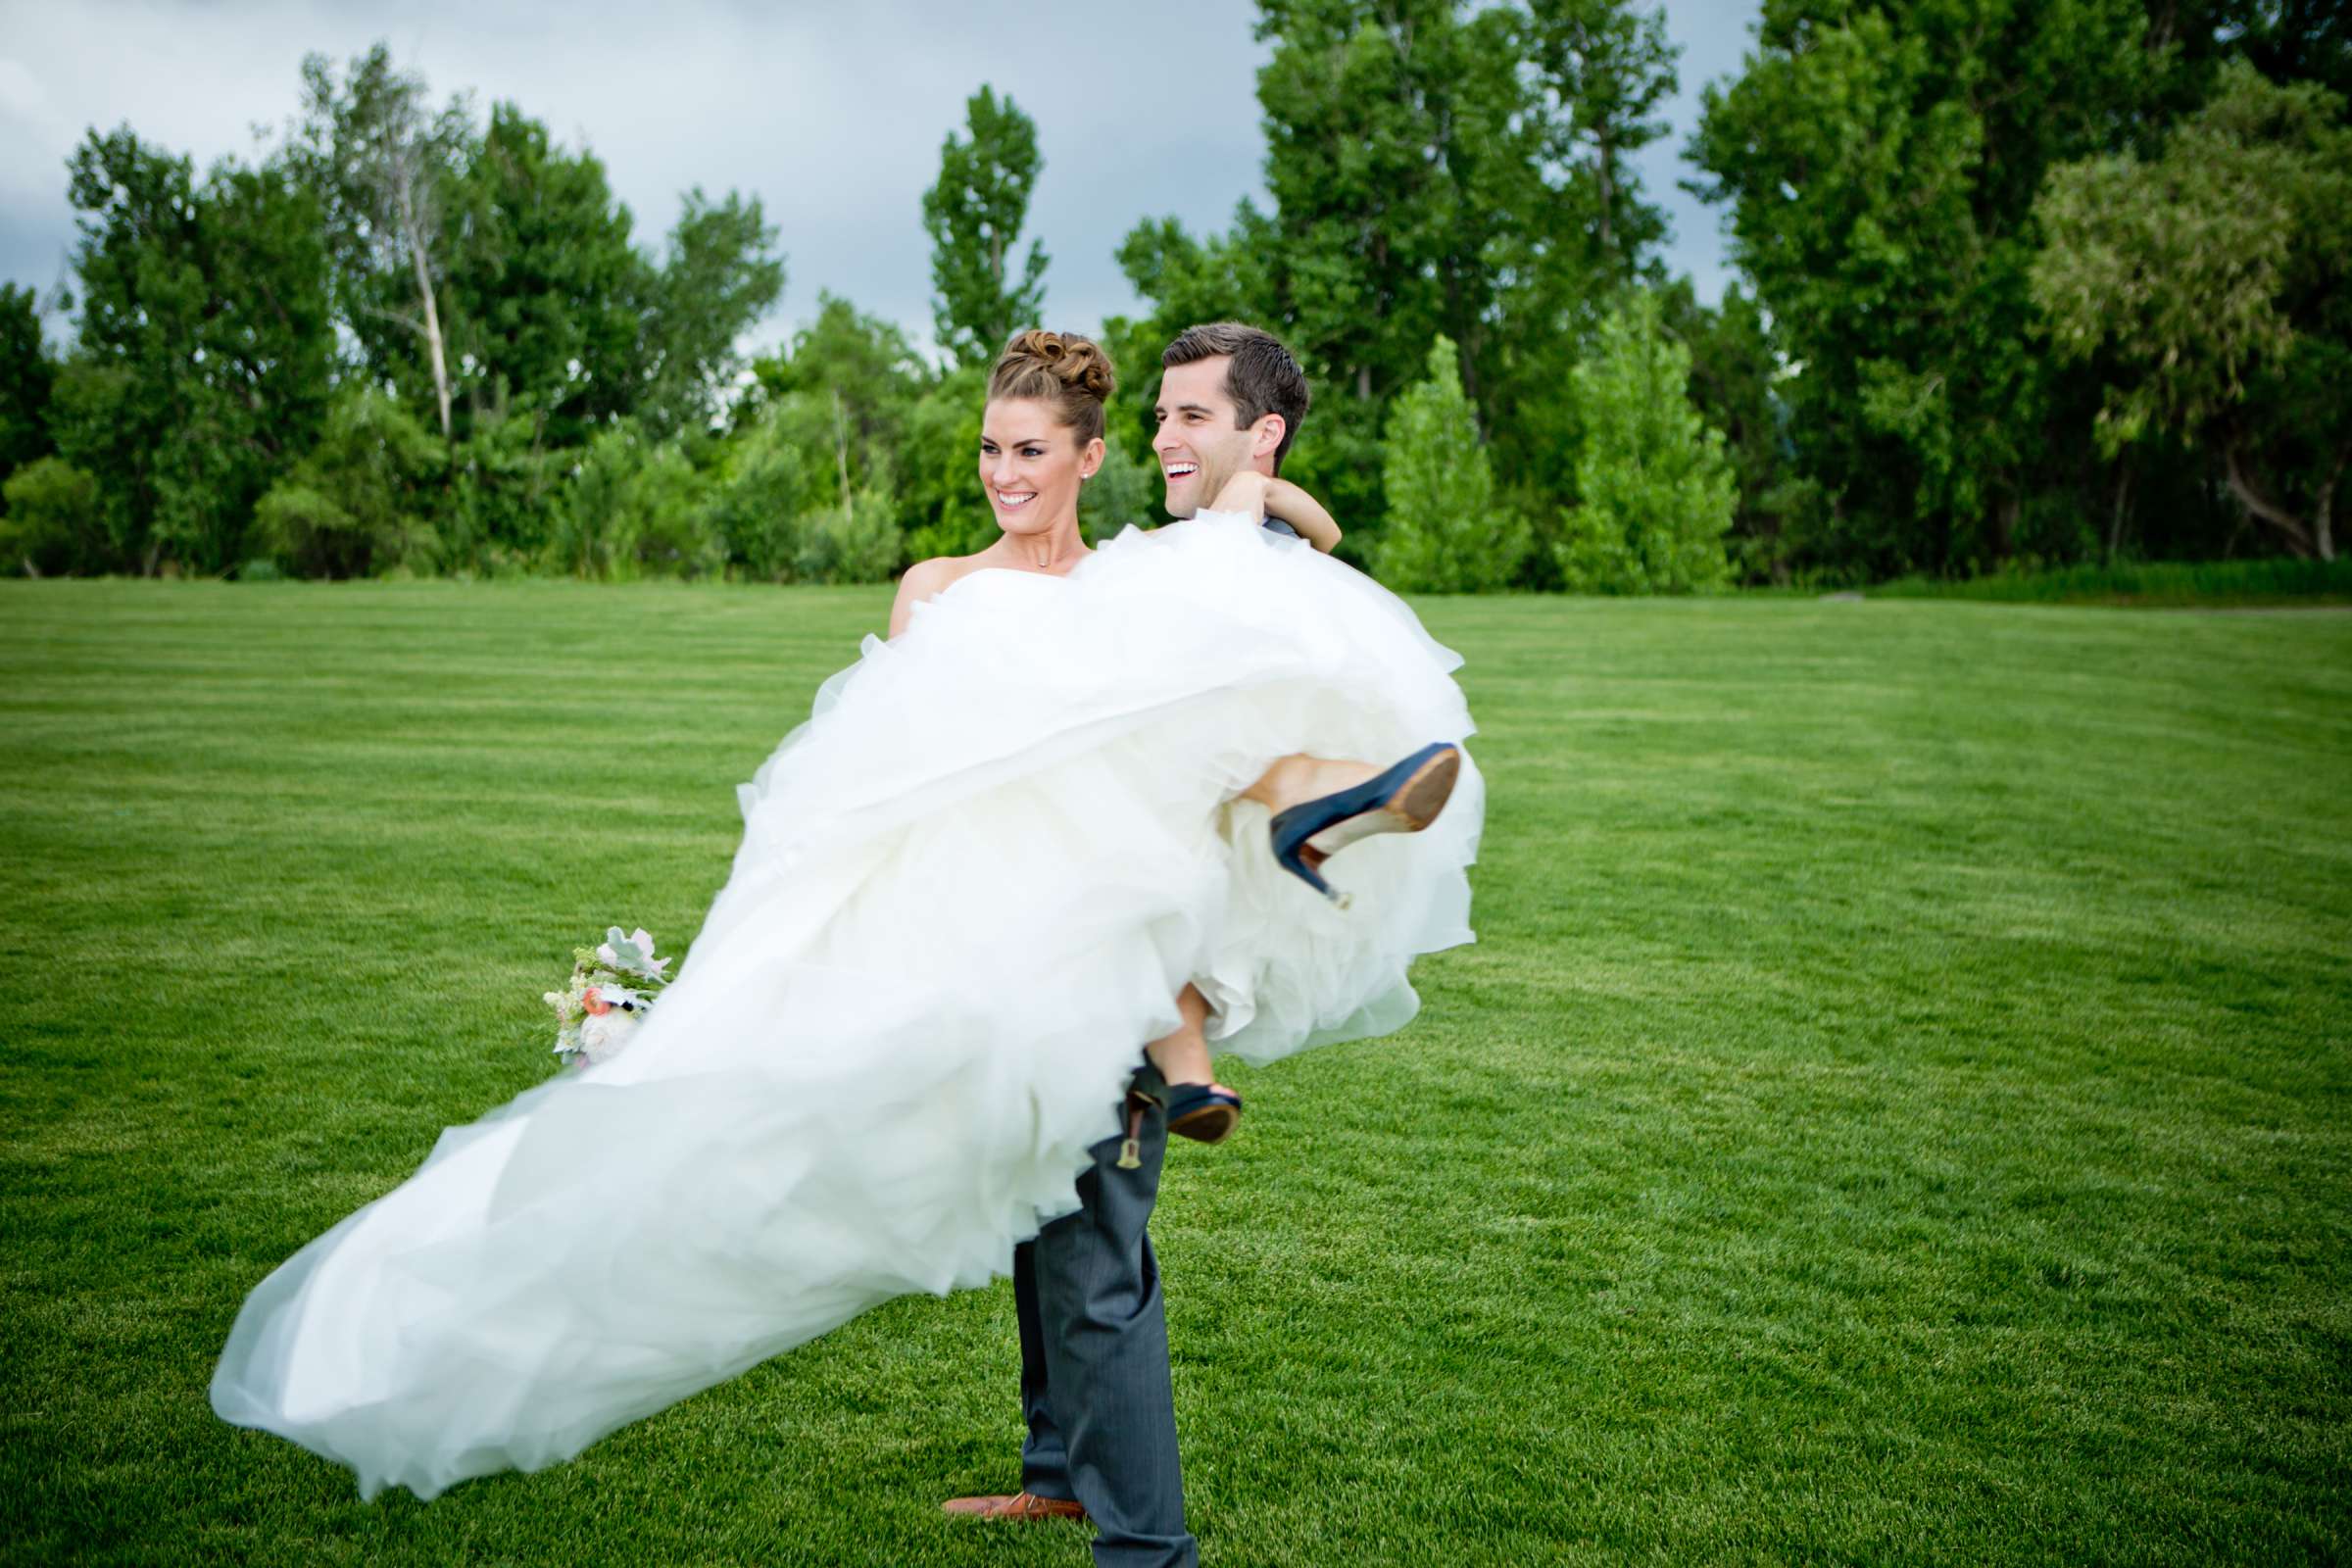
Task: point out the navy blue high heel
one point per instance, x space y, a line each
1202 1111
1405 799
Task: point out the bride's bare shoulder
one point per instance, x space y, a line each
940 572
927 579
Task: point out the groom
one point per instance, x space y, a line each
1095 1385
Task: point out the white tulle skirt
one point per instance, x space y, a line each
968 890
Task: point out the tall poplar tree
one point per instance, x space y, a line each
1595 75
974 215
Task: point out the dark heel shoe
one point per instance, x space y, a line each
1405 799
1202 1111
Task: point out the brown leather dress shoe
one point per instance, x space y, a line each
1020 1506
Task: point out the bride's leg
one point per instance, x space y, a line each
1182 1056
1318 808
1300 778
1198 1106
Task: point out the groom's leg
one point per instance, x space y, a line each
1106 1342
1044 1457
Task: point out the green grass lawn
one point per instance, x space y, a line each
1896 1111
2175 585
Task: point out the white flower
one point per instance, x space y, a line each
632 954
603 1036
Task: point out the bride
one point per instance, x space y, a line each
1071 805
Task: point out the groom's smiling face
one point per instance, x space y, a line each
1198 446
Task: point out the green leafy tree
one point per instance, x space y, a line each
1225 277
2216 281
766 483
974 215
1368 113
719 278
1120 495
548 293
798 503
383 162
864 362
204 350
1655 493
361 501
815 491
27 375
505 485
1578 227
854 541
2287 40
942 489
49 523
1444 534
1437 168
1389 136
635 508
1603 72
1882 165
1735 370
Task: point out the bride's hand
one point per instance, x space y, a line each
1304 513
1244 492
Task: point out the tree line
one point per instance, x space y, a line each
2019 284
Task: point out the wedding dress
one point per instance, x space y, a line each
969 888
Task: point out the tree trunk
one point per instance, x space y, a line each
1467 352
841 454
2323 514
424 290
2289 527
1604 165
2123 504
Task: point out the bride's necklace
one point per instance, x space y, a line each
1045 559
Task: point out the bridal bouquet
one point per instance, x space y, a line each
613 986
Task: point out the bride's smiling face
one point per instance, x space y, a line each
1031 464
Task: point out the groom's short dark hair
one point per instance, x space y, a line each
1262 378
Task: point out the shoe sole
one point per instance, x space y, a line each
1411 807
1210 1124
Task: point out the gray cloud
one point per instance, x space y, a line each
832 116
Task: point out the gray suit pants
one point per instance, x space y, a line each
1094 1360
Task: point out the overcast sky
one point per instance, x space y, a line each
831 114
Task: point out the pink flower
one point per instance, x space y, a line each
594 1003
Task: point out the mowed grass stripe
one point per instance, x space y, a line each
1895 1110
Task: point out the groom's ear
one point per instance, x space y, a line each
1266 436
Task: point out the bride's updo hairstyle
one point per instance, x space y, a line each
1062 369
